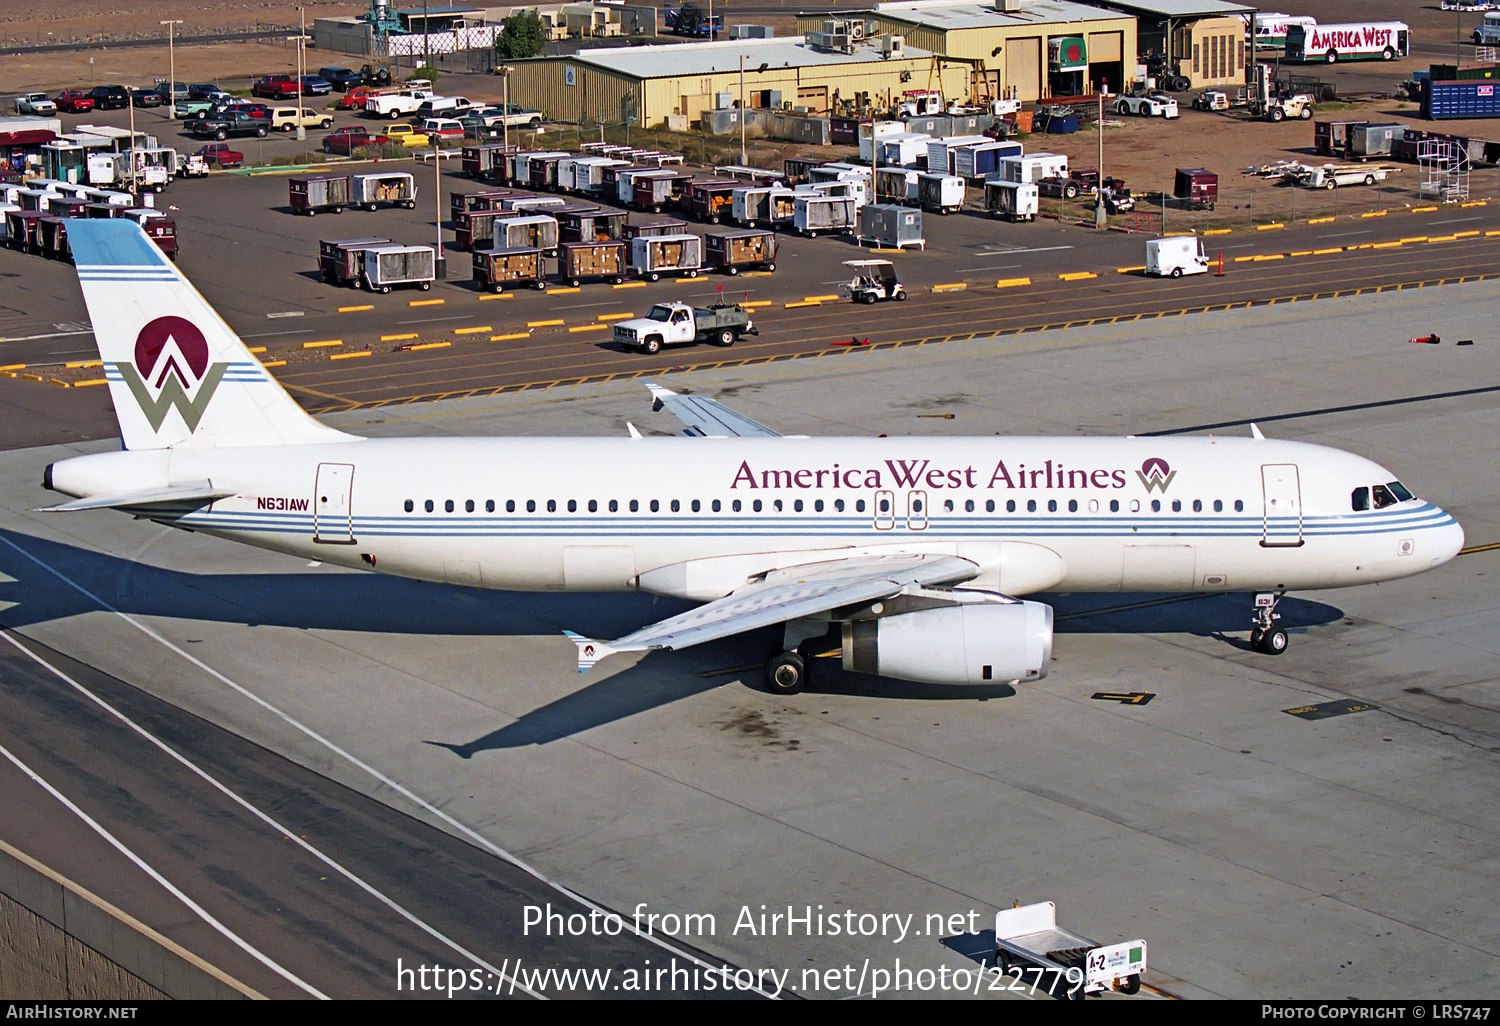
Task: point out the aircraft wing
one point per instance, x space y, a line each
199 493
789 594
707 418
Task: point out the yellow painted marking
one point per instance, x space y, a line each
790 306
1241 260
615 316
84 363
348 356
543 324
589 327
257 349
820 299
59 383
352 309
33 377
1374 213
1479 548
1007 283
1325 252
472 331
397 338
1301 252
953 287
1077 275
503 338
1127 270
13 367
323 345
629 285
1384 245
563 291
431 345
1465 235
1443 238
1219 231
1419 210
425 302
1476 203
499 295
273 363
1264 227
1270 256
758 302
1320 220
90 381
1415 238
1495 232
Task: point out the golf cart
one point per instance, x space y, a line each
873 279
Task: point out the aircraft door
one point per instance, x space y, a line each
885 510
916 511
333 514
1282 525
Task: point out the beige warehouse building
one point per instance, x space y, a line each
645 84
1026 48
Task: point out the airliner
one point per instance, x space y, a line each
912 554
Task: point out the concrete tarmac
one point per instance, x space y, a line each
1260 854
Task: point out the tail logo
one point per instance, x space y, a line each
1155 474
171 371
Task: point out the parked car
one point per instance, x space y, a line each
74 101
206 91
35 103
355 98
341 79
285 119
315 85
110 97
234 122
166 90
146 98
375 76
347 140
275 87
441 128
219 155
445 106
406 135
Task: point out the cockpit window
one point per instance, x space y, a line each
1360 499
1399 490
1383 497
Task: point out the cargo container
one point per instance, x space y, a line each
541 170
813 213
489 199
1331 138
768 205
1030 167
391 265
1198 187
886 224
904 149
625 180
795 169
532 204
665 190
941 193
753 249
102 210
982 159
398 188
630 232
611 177
159 228
498 269
839 171
37 200
530 231
52 237
589 175
712 199
520 167
1366 141
22 229
1470 98
597 225
341 261
67 207
896 185
940 151
312 193
654 256
603 259
1014 201
472 226
485 162
6 209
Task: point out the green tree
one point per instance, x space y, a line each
428 72
523 35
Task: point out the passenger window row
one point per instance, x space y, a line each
836 505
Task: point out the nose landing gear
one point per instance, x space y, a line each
1266 637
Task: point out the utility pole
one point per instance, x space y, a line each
171 71
742 110
1099 219
301 69
133 191
441 268
505 106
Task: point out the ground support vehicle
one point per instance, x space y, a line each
1071 965
485 162
496 269
541 170
712 199
1333 138
398 188
1356 41
1156 105
522 202
1197 186
470 226
1366 141
487 199
220 155
192 165
659 190
1218 99
537 231
1014 201
391 265
159 228
768 205
21 229
630 232
896 185
597 225
873 280
1175 255
732 252
309 194
52 237
673 323
942 151
890 224
940 193
981 160
1332 176
396 104
342 262
594 258
655 255
813 213
6 209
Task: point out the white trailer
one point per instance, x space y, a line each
535 203
1332 176
398 188
655 255
1175 255
768 205
850 188
625 182
940 151
1065 964
942 193
388 266
1033 167
904 149
813 213
1014 201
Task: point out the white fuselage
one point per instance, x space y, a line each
697 517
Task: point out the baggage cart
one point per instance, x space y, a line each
530 231
768 205
398 188
532 204
1199 187
485 162
1067 964
520 168
52 237
659 191
712 199
499 269
542 170
312 193
630 232
896 185
813 213
615 177
733 252
6 209
341 261
589 174
887 224
102 210
475 226
1366 141
796 169
22 232
599 259
162 230
940 192
656 255
391 265
597 225
1014 201
488 199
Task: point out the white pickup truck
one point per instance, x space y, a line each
394 105
672 323
1331 176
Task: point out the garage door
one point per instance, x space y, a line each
1105 46
1023 67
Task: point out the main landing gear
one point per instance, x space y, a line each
1266 637
787 670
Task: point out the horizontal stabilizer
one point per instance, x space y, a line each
590 651
193 492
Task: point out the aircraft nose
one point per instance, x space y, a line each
1446 542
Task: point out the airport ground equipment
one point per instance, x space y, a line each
764 205
528 230
943 194
892 225
671 323
1333 176
391 265
342 262
813 213
630 232
1175 256
653 256
1014 201
605 259
753 249
873 281
1066 964
1198 186
398 188
312 193
497 269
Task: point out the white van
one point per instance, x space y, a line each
1175 256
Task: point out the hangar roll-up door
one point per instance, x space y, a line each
1107 60
1023 67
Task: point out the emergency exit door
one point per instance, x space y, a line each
333 514
1282 525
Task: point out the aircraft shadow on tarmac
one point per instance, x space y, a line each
337 600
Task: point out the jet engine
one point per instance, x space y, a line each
982 642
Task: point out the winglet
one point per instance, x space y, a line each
1255 433
634 431
658 394
589 651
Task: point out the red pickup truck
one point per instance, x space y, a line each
74 101
220 154
276 87
348 139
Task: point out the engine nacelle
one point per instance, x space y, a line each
972 643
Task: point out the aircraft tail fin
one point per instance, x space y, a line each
178 375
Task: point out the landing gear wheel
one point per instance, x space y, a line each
1266 637
1274 641
786 673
